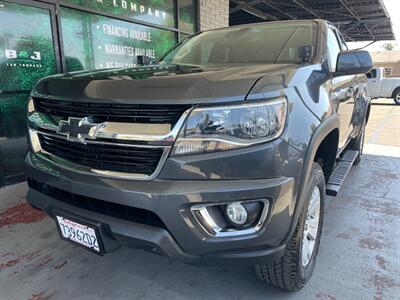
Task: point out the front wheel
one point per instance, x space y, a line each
397 97
292 271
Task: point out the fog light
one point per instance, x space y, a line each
231 219
236 213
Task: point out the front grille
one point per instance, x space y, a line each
112 112
120 211
110 157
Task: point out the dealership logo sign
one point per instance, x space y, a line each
14 54
133 6
79 129
23 58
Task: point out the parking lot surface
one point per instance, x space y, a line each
359 256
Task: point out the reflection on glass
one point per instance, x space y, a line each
187 15
267 43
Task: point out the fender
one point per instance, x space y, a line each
394 91
322 131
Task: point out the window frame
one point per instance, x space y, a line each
332 67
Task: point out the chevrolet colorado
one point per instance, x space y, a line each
220 152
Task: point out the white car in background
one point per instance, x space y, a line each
381 87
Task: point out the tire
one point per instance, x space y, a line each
357 143
397 97
291 272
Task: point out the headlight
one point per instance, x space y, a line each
230 127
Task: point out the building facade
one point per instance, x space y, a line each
390 60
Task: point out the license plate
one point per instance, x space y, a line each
79 233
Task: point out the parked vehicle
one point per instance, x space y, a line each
218 153
381 87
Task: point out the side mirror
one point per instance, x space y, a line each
143 60
353 62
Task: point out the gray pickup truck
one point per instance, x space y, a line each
220 152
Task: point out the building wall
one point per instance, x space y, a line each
395 67
213 14
388 59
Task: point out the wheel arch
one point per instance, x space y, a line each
322 132
327 151
395 91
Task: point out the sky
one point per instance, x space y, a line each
393 7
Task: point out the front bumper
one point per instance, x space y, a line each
180 237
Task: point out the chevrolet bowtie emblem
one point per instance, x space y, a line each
78 129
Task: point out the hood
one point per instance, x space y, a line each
156 84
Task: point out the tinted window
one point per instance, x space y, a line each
371 74
333 49
256 44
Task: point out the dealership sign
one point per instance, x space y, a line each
135 7
153 11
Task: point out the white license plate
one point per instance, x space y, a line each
78 233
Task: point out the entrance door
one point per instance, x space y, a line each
27 53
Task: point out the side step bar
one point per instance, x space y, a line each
340 172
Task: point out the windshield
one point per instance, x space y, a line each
269 43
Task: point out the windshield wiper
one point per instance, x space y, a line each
187 66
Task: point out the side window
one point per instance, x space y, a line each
333 49
371 74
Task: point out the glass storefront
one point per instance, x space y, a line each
187 15
27 53
40 38
159 12
111 43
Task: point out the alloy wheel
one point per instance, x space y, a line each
311 227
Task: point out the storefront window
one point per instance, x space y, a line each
92 42
187 15
26 51
27 54
160 12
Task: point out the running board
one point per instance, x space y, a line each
340 172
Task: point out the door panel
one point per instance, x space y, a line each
374 83
27 53
343 87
